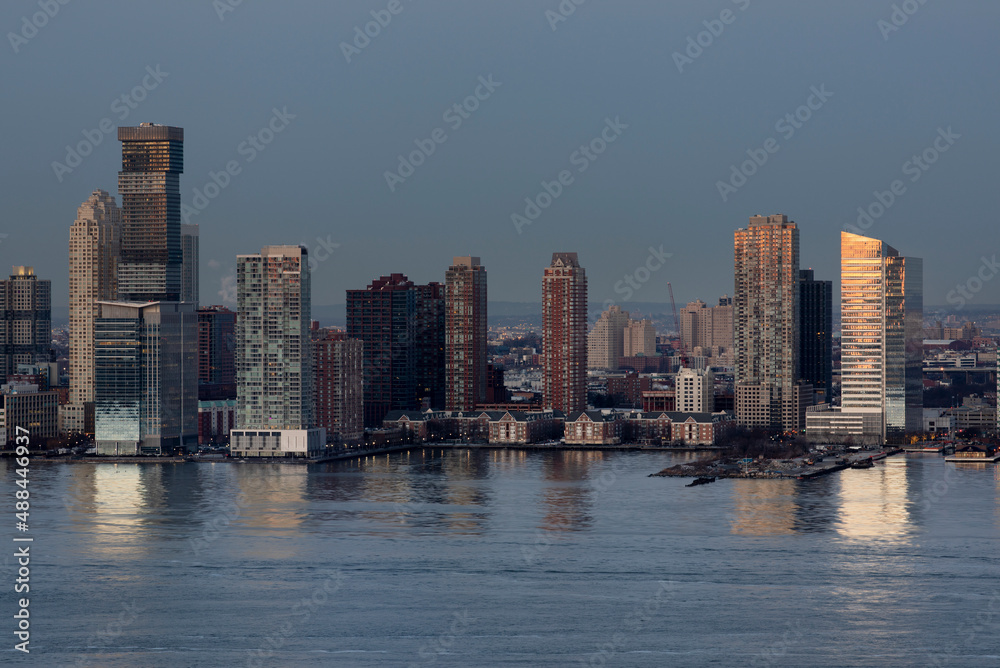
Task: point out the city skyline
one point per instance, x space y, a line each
461 200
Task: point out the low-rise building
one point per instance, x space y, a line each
23 405
665 427
520 428
216 419
277 443
593 428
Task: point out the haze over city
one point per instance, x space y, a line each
224 72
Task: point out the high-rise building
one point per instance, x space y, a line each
275 379
815 334
722 324
26 312
94 247
564 333
402 326
339 395
881 335
465 333
606 342
216 353
766 319
383 317
696 325
189 263
706 327
640 339
429 346
149 184
145 378
695 391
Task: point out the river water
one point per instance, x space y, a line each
478 557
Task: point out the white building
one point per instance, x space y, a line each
275 379
695 391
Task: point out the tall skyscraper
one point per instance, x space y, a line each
465 333
275 379
429 346
564 333
766 315
145 378
94 247
815 334
339 395
606 342
881 335
217 352
26 314
149 184
402 326
383 317
189 263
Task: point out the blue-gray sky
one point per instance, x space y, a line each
323 176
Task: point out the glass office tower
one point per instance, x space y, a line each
881 335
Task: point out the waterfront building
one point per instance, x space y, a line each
564 333
465 334
881 346
27 406
339 394
401 326
275 378
766 321
145 378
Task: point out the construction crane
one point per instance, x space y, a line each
677 324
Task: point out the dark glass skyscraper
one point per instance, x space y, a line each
815 325
402 327
149 184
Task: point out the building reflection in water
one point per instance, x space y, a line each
440 490
874 503
567 494
763 507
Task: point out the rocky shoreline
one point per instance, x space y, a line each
802 467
